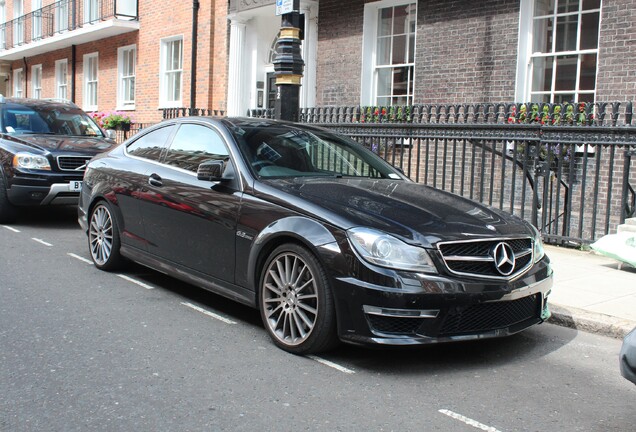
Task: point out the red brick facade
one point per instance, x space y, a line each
465 52
158 20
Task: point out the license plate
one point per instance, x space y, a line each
75 186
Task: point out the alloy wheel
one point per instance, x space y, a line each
100 235
290 299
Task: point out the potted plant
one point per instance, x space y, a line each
116 120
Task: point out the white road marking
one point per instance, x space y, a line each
468 421
331 364
41 241
87 261
208 313
135 281
11 229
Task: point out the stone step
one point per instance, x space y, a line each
630 221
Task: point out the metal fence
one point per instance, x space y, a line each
124 134
169 113
567 168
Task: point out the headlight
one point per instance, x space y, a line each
384 250
31 161
539 252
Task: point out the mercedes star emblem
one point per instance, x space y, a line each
504 258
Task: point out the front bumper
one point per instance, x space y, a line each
39 190
424 309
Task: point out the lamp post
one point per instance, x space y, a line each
288 62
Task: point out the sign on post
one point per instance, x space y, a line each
284 6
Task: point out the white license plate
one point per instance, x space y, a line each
75 186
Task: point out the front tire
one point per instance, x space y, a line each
296 302
103 238
8 212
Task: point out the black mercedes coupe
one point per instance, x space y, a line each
324 237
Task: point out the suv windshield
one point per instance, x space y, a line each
47 119
281 151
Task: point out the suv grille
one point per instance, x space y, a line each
490 316
494 258
73 163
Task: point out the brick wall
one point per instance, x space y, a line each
465 51
339 59
158 20
616 80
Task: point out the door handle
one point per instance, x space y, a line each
155 180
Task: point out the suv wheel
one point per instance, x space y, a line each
8 212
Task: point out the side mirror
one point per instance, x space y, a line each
111 134
211 171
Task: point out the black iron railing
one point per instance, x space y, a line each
169 113
123 135
569 169
60 17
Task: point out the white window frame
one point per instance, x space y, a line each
18 83
525 56
368 81
91 11
18 24
36 6
123 78
167 76
61 79
61 17
3 19
36 81
91 80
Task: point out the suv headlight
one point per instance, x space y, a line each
385 250
31 161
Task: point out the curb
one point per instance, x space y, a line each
590 322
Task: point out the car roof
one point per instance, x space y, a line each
39 103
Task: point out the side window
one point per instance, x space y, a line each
194 144
151 144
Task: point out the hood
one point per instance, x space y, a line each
415 213
65 144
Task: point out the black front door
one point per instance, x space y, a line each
191 222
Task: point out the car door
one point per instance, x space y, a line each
192 222
130 179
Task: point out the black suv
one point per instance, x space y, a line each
44 148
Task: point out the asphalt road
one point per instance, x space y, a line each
84 350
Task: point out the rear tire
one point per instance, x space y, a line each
8 212
103 238
296 302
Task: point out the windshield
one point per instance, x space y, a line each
53 119
280 151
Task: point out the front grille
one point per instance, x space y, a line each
394 325
73 163
475 258
490 316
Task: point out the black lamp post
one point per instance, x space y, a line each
288 66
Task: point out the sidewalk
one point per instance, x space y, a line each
591 293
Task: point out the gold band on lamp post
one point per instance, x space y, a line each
290 32
288 79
